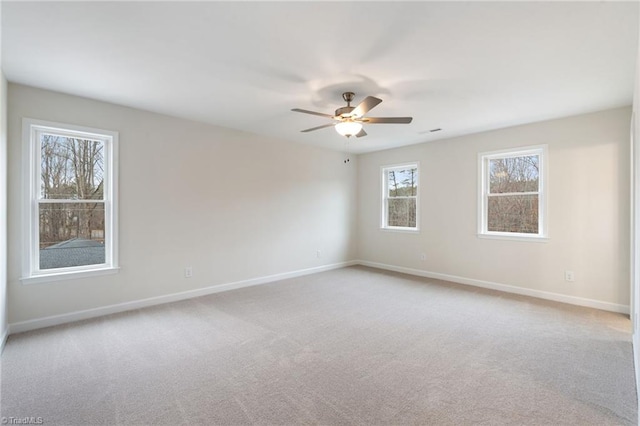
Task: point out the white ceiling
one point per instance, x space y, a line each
463 67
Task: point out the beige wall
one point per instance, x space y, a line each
236 206
3 207
588 205
232 205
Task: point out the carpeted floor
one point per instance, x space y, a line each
350 346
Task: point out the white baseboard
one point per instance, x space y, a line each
19 327
3 339
573 300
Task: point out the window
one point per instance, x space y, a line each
513 193
400 197
71 224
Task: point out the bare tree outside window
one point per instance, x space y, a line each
401 191
513 194
71 206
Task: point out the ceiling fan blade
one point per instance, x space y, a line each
365 106
312 112
318 128
393 120
361 133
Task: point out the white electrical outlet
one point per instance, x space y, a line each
423 256
188 272
318 254
568 276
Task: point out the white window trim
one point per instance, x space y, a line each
543 190
383 192
31 274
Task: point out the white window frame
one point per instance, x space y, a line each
31 272
384 222
483 193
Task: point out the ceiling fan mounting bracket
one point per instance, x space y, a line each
348 97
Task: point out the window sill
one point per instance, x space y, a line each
62 276
401 230
532 238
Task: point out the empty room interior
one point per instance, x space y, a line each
319 213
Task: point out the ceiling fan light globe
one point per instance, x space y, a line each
348 128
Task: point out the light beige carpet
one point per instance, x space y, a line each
351 346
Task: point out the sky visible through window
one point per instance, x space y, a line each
403 183
514 174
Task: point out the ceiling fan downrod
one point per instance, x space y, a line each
346 111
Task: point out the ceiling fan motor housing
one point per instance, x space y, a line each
344 111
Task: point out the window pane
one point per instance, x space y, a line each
513 213
514 174
403 183
71 168
402 212
71 234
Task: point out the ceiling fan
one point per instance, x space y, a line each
349 119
